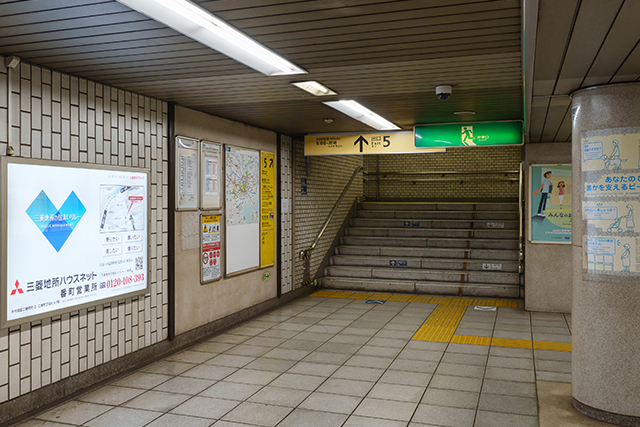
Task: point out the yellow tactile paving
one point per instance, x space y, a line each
550 345
441 325
472 340
511 343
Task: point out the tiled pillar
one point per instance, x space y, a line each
606 253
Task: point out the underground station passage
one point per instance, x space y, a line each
319 213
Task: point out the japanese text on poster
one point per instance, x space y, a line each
550 204
211 250
267 209
75 236
610 202
210 175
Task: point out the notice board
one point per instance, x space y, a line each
74 236
186 173
210 175
242 209
267 209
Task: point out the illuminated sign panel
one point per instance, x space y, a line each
475 134
72 236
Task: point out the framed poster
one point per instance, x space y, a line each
73 236
210 175
267 209
186 173
242 209
211 259
611 204
550 204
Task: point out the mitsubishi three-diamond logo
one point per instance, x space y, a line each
56 224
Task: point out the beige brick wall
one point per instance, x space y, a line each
329 175
449 186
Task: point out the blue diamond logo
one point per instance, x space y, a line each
56 224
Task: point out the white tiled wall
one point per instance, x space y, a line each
286 218
61 117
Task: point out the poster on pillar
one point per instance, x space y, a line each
550 204
267 209
611 202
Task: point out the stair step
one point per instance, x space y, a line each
426 263
433 232
439 215
398 252
435 223
418 242
419 274
440 206
422 287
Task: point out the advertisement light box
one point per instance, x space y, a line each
73 236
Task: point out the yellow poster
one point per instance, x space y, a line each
267 209
364 143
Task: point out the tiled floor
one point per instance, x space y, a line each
340 361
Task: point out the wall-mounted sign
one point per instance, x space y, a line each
363 143
550 204
211 249
242 209
210 175
186 173
611 203
73 236
481 134
267 209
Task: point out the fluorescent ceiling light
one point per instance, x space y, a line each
314 88
202 26
353 109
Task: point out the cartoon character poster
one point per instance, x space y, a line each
611 202
550 204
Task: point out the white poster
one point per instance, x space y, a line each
186 173
242 190
210 175
611 203
75 236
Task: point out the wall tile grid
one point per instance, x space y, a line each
62 117
329 175
286 218
455 159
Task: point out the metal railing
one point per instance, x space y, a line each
443 175
305 252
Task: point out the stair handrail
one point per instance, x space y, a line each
487 172
305 252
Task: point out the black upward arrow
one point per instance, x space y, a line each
361 140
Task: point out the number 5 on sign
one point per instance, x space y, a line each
267 210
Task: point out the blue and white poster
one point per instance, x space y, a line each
550 204
75 235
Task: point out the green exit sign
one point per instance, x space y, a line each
474 134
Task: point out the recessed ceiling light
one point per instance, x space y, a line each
314 88
202 26
464 113
353 109
328 120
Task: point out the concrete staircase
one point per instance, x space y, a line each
433 248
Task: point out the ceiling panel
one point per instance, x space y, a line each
389 55
580 44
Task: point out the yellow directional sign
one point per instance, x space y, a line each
363 143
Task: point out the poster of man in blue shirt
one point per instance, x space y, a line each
545 191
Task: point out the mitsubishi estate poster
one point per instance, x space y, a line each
75 235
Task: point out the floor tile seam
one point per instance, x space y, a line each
484 374
535 371
363 398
